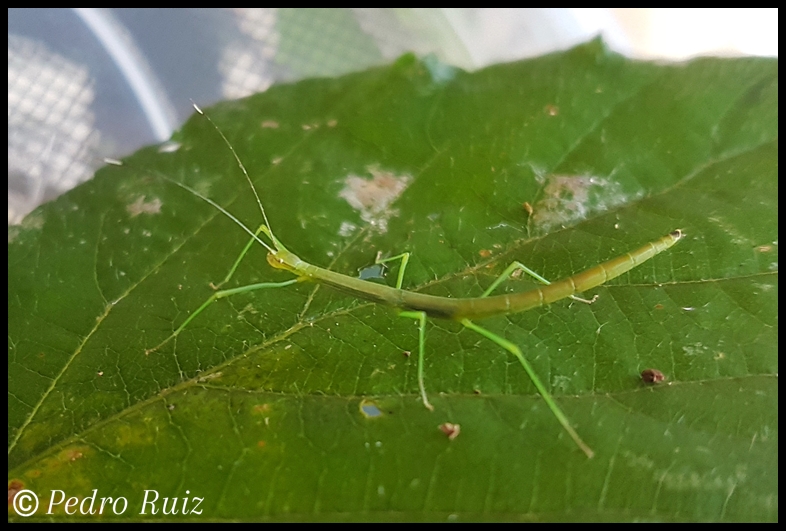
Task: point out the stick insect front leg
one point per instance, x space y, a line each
242 255
220 295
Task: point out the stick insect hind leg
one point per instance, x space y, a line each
555 409
420 316
516 351
518 266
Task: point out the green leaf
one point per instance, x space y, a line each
300 403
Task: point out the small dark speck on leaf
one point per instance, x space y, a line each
652 376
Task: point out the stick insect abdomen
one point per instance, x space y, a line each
518 302
482 307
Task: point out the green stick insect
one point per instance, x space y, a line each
419 306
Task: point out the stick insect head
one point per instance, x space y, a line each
283 259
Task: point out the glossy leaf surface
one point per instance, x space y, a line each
301 403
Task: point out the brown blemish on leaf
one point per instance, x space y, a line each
652 376
14 486
450 429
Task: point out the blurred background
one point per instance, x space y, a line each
89 84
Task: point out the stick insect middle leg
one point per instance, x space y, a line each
420 317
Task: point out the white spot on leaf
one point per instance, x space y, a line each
372 198
141 207
346 229
571 198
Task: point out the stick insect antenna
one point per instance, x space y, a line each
220 209
242 167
